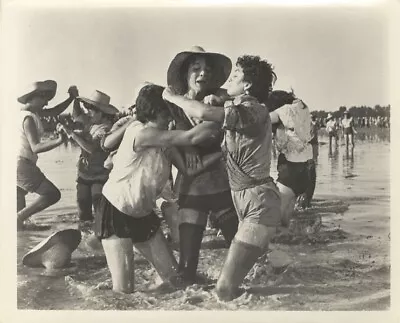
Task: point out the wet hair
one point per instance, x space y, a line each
184 71
150 104
259 73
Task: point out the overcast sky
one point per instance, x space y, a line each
330 56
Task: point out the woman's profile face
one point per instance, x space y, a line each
199 75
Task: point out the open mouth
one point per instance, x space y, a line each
201 82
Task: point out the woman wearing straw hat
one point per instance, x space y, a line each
92 174
247 149
126 216
55 251
197 74
29 176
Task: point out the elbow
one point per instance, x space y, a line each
107 145
194 140
200 114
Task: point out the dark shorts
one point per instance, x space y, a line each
29 176
293 175
348 131
332 134
206 203
83 181
110 221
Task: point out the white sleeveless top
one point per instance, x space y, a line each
347 123
138 177
25 150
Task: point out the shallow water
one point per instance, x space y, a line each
338 257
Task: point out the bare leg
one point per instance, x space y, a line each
171 216
96 190
48 195
21 203
84 201
158 253
288 201
250 242
119 255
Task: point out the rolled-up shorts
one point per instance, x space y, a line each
110 221
29 176
293 175
260 204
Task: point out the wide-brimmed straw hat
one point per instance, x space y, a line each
330 116
346 112
222 67
49 87
101 101
55 251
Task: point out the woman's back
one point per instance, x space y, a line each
138 175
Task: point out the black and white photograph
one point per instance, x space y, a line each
198 157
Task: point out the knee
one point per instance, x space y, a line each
54 195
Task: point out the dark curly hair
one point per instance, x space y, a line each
279 98
259 73
150 104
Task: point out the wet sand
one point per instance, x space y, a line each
338 255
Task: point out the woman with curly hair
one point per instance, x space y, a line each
247 149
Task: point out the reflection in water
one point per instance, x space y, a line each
352 193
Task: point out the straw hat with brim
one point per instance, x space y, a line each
223 66
55 251
49 87
346 112
330 116
101 101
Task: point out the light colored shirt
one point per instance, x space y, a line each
293 135
347 123
138 176
25 149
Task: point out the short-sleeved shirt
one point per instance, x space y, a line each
248 135
91 165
